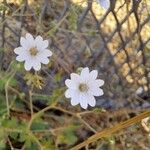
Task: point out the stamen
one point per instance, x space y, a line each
33 51
83 87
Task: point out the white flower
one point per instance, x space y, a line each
33 52
82 88
104 3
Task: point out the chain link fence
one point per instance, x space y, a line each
114 41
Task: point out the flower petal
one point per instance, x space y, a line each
37 65
42 57
85 73
47 53
96 91
41 45
28 65
45 44
71 84
20 58
74 101
18 50
29 37
75 77
45 61
23 42
91 101
83 100
68 93
73 94
38 39
99 82
93 74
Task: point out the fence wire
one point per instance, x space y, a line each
114 41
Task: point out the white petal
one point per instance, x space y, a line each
96 91
73 94
24 42
41 45
28 65
42 56
45 44
45 61
38 39
18 50
104 3
20 58
99 82
85 73
37 66
91 101
93 74
74 101
83 101
29 37
71 84
75 77
68 93
47 53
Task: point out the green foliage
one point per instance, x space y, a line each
2 7
67 136
30 145
5 78
49 133
39 125
2 145
56 94
48 143
99 110
2 105
58 77
13 124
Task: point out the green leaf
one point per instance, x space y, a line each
48 142
68 136
58 77
55 95
10 123
12 82
30 145
39 125
2 145
14 135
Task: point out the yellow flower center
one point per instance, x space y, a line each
33 51
83 87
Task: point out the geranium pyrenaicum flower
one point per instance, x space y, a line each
33 52
82 88
104 3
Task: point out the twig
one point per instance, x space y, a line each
109 131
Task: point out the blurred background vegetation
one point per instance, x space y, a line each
81 33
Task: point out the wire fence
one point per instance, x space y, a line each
81 33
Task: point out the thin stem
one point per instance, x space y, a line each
7 101
38 114
109 131
31 105
86 124
6 92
